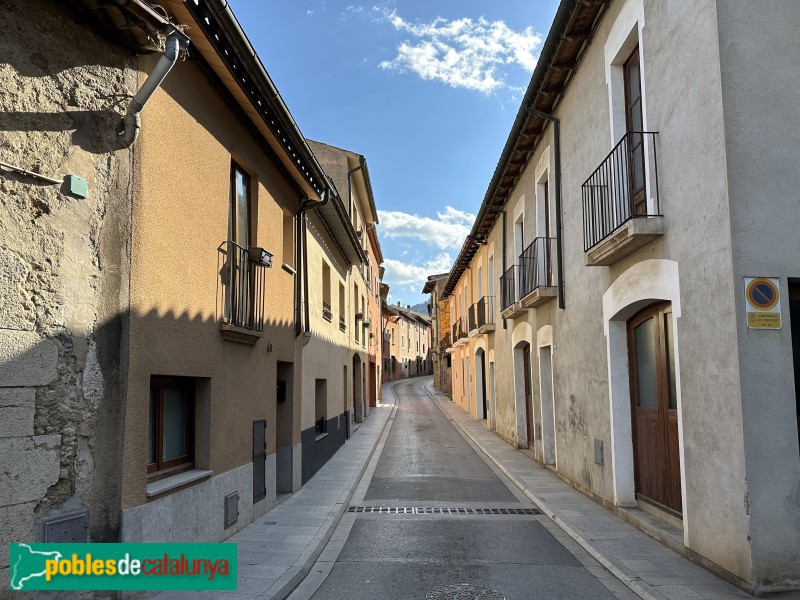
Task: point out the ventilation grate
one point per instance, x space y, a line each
72 528
438 510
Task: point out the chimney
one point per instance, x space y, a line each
408 306
398 303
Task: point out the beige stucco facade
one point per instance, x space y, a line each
694 261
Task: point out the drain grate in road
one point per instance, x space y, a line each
438 510
463 591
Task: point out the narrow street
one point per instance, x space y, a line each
427 463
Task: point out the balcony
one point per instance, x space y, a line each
459 332
241 291
535 273
509 307
621 211
445 343
326 311
481 316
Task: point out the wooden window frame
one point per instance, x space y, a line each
166 468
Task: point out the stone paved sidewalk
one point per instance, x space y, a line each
276 551
647 567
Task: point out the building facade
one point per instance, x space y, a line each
441 332
612 310
153 370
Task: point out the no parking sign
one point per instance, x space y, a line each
763 302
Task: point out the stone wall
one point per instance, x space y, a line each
63 272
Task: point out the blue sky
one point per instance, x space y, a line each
426 91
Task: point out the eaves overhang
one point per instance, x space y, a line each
572 29
334 216
216 34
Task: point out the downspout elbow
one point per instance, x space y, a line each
176 41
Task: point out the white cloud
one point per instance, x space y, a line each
463 52
413 276
448 230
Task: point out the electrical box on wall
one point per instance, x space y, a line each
76 186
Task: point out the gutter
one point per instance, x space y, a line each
176 42
247 54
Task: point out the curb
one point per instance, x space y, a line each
632 582
290 580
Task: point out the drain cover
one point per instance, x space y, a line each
463 591
438 510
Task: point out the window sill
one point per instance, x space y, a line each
239 334
321 436
167 484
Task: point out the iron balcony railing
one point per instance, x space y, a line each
623 187
508 293
241 286
535 266
458 330
342 323
481 313
319 426
326 311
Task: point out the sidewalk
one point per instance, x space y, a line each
276 551
647 567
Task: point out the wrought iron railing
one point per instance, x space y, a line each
326 311
241 287
623 187
319 426
481 313
535 266
508 292
459 330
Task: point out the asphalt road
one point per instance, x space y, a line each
427 463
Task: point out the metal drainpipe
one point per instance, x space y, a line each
176 41
504 258
559 235
302 259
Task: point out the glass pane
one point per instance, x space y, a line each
241 200
673 397
174 440
646 364
633 79
151 430
636 118
637 160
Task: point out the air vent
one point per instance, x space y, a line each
598 452
231 509
72 528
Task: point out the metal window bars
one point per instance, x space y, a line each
241 287
535 266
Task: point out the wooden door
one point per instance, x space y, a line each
526 367
634 125
654 407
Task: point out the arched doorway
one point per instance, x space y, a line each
654 406
524 393
480 384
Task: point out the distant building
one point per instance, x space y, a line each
440 331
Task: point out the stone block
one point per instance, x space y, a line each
31 466
26 359
18 525
18 408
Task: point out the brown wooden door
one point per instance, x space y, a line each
526 367
654 407
794 318
634 125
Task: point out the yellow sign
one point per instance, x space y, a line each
762 302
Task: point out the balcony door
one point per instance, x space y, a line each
654 407
526 375
634 125
239 293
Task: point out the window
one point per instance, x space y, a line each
326 292
239 219
342 319
170 436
